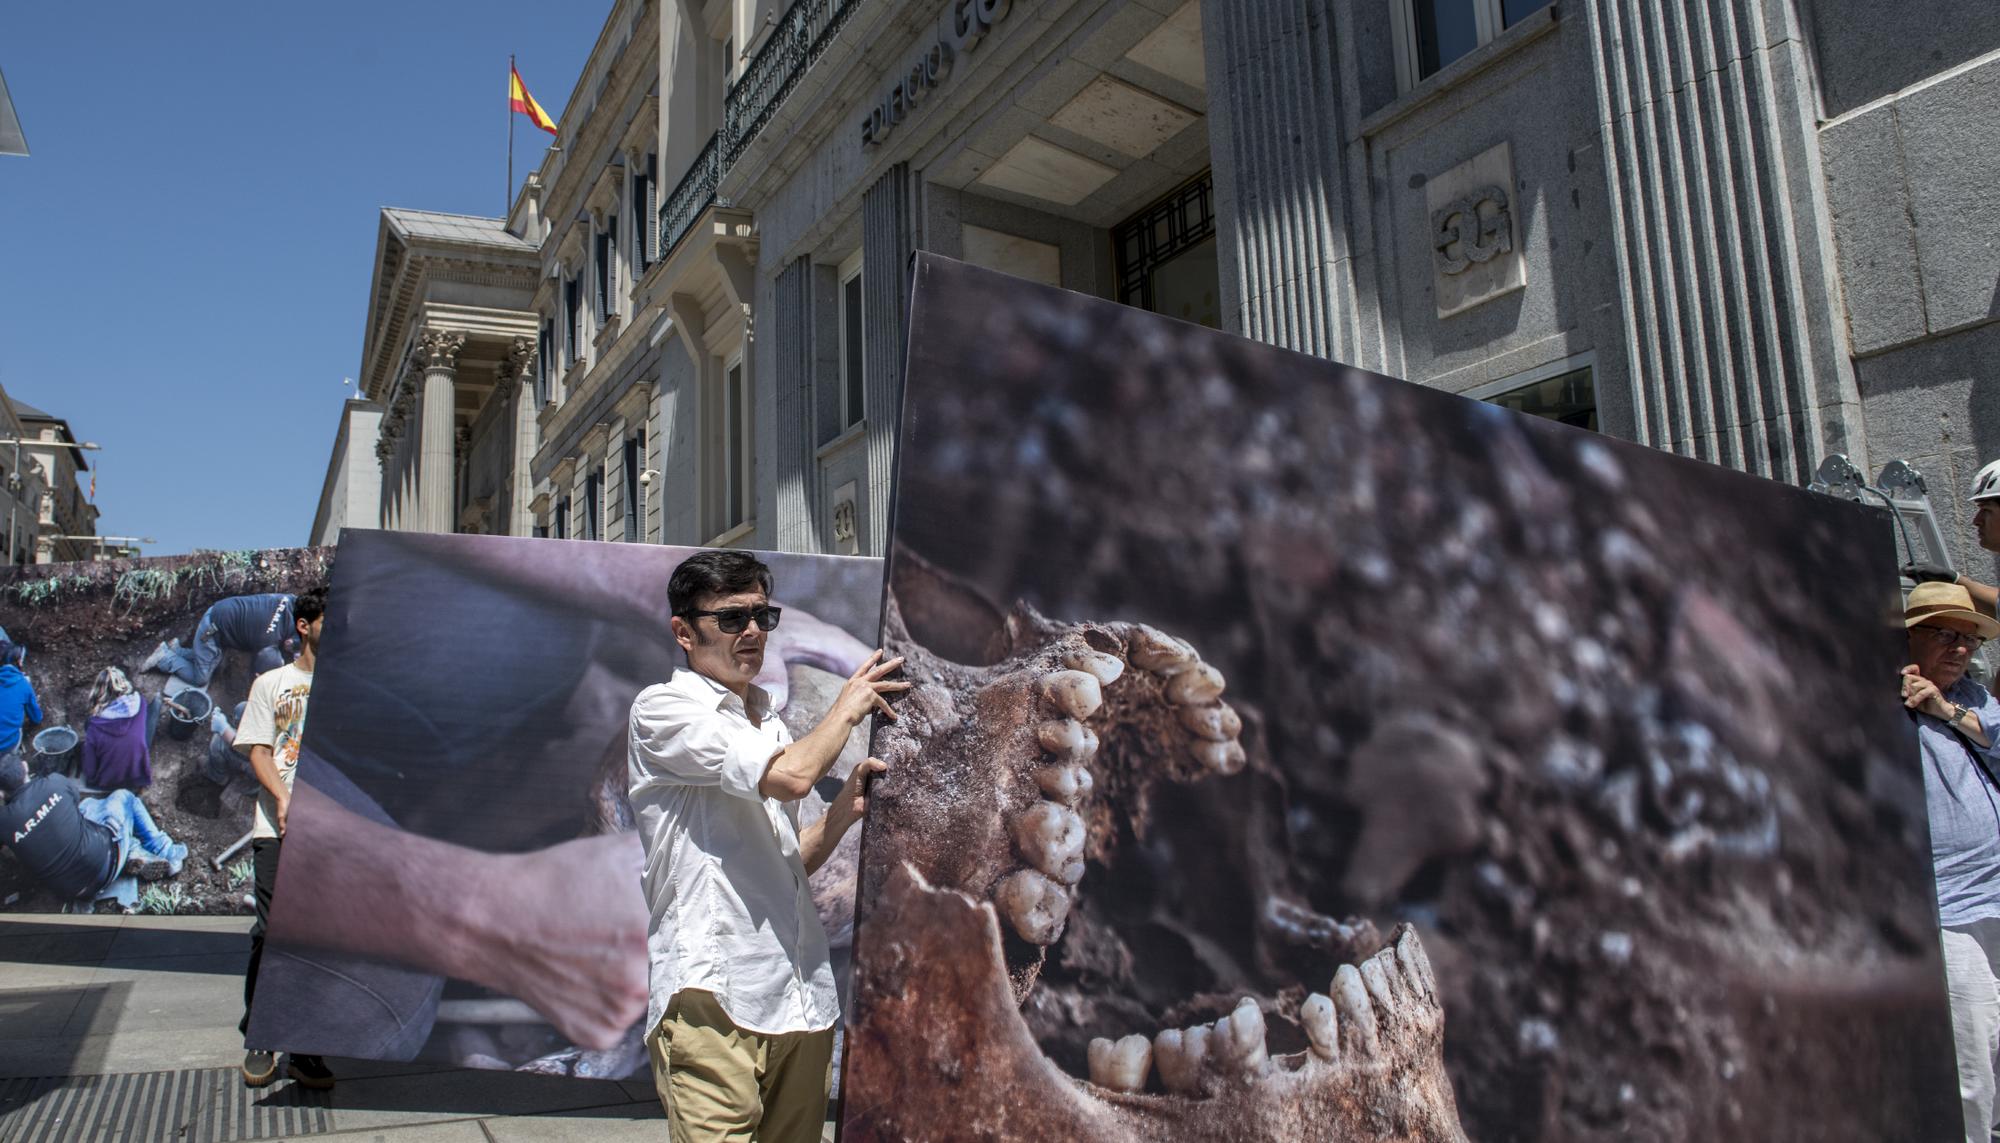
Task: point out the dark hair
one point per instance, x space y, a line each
309 605
6 653
719 571
13 773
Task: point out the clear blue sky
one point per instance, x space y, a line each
185 256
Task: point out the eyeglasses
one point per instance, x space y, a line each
1946 637
733 620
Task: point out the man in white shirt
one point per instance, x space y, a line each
743 1005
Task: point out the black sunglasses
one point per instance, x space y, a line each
732 620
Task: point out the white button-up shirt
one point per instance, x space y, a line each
732 911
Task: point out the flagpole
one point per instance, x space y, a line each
508 207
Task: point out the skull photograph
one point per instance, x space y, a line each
1296 753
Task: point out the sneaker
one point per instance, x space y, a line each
310 1072
176 856
259 1068
160 652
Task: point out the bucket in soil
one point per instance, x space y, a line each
190 710
55 749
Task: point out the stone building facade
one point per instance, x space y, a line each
64 520
1750 231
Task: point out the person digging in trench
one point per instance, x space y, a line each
82 849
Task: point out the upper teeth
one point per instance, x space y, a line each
1105 668
1034 906
1075 693
1156 650
1051 838
1198 683
1067 739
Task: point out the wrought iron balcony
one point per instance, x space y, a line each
798 41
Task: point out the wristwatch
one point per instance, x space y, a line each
1958 713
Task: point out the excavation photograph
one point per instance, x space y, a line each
460 880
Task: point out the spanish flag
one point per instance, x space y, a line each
519 100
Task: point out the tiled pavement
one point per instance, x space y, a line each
123 1030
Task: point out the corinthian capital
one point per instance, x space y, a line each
438 348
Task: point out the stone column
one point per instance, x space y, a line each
1723 245
885 306
793 436
1283 227
437 352
518 372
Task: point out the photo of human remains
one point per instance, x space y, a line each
1296 753
459 879
121 689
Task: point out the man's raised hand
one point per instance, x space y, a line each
867 689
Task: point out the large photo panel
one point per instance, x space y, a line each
121 688
459 878
1297 753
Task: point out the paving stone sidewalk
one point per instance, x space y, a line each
123 1030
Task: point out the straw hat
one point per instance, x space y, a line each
1933 601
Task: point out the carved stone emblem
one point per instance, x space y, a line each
1472 229
1473 213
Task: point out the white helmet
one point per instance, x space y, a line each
1986 486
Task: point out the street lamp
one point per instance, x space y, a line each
14 510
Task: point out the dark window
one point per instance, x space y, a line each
562 519
545 356
1179 224
1513 12
593 504
649 230
631 490
736 446
1446 30
1568 397
853 369
572 342
604 248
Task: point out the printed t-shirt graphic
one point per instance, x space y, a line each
276 717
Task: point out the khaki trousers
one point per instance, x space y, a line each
719 1082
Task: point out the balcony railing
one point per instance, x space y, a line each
798 41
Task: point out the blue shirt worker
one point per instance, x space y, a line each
260 625
1957 725
80 848
19 708
742 996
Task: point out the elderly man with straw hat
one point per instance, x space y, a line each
1958 725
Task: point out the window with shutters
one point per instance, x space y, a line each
562 519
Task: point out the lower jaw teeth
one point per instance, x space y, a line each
1121 1065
